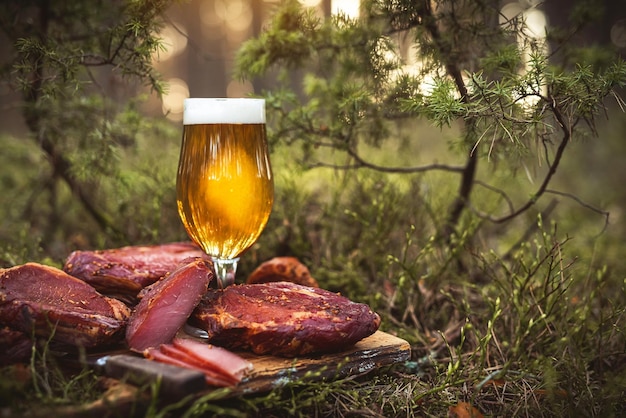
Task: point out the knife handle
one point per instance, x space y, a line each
175 381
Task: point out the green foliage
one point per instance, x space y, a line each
405 60
63 41
79 67
288 38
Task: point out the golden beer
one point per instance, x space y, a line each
224 188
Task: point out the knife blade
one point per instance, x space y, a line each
174 381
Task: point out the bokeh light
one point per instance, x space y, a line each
350 8
227 19
535 23
510 11
618 33
311 3
236 14
177 92
174 41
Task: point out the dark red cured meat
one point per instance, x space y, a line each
50 302
123 272
216 358
174 352
167 304
283 319
15 346
165 354
282 269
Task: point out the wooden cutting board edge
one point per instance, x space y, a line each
378 350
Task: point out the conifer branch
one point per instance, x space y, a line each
566 128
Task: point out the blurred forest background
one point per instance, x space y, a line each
44 217
89 160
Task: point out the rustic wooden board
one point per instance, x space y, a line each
377 350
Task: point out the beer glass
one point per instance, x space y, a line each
224 185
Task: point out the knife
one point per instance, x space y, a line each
174 381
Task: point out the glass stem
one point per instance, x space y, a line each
225 271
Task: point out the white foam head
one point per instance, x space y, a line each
243 110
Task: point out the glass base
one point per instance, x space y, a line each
225 271
196 332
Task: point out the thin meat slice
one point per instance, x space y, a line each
224 361
197 364
281 318
52 304
161 355
123 272
167 304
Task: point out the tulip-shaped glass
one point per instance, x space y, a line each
224 186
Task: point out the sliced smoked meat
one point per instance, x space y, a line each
123 272
220 366
167 304
283 319
212 357
40 299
